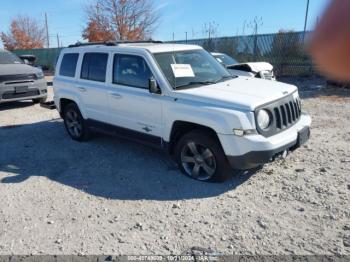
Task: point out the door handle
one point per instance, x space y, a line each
82 89
116 95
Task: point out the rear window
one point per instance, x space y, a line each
69 64
94 67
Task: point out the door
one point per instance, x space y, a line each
92 86
132 106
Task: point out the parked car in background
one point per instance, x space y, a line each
181 99
254 69
19 81
30 60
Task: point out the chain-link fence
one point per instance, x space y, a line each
284 50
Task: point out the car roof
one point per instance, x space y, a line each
161 48
151 47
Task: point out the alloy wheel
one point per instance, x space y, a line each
198 161
74 123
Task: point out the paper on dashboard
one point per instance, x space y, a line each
182 70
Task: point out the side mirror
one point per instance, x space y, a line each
153 86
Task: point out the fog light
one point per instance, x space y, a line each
238 132
241 132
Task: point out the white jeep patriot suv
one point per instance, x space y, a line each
181 99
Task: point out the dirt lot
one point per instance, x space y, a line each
111 196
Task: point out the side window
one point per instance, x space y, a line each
94 67
131 70
69 64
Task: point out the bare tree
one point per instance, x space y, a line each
126 19
25 33
210 30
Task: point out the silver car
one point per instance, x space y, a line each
19 81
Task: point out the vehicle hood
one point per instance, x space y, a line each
17 69
241 92
255 67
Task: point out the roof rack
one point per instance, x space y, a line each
114 43
107 43
139 42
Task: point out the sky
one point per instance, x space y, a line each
231 17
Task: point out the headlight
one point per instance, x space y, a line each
40 75
263 119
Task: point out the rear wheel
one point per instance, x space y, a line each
75 124
200 156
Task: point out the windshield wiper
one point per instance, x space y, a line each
205 82
225 78
196 83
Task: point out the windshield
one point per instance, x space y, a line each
191 68
226 59
9 58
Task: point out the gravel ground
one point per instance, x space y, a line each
111 196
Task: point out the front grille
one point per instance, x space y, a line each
287 114
284 114
13 95
19 77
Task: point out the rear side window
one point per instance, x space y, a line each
131 70
94 67
69 64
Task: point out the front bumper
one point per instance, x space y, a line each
252 151
254 159
36 89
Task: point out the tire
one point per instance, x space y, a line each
75 124
199 155
39 100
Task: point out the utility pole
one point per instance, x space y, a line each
58 41
186 37
306 17
47 32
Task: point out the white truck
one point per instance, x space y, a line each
181 99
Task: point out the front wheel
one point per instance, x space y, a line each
200 156
75 124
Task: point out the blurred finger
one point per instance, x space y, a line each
330 43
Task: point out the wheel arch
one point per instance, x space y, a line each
64 101
180 128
